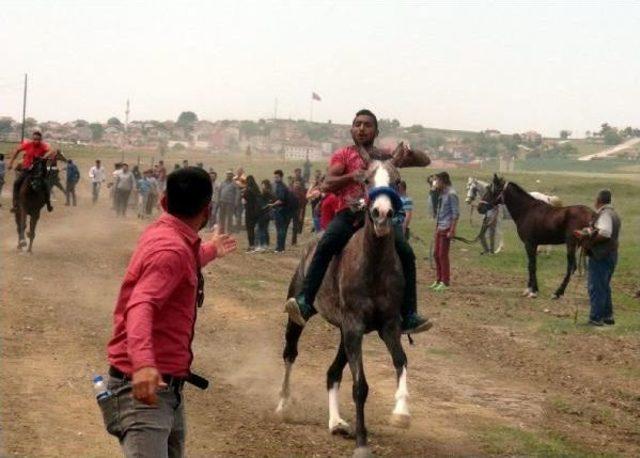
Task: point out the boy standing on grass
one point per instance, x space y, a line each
446 222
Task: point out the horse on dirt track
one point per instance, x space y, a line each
539 223
362 292
31 199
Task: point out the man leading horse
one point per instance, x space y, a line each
33 149
346 178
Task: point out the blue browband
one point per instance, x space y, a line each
391 193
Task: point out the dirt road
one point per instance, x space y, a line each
485 380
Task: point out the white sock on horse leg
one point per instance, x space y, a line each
334 407
402 395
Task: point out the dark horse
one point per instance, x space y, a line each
362 292
539 223
31 199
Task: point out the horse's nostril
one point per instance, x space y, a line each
390 214
375 213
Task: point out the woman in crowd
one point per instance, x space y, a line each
251 197
266 199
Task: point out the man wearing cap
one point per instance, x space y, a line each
601 242
227 198
346 178
34 149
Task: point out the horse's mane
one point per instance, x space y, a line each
520 190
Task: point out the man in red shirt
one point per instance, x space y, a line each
33 149
150 351
346 178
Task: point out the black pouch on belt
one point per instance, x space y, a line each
197 381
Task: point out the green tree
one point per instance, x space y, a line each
97 131
564 134
612 137
5 125
80 123
187 119
114 122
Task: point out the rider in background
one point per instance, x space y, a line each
33 149
346 179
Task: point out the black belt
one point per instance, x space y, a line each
170 380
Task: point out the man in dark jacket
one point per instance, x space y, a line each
282 210
73 176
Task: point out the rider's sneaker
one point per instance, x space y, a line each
414 323
299 311
434 285
440 288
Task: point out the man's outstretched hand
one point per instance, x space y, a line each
224 243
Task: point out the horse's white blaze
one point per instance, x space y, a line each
381 177
383 204
334 407
402 395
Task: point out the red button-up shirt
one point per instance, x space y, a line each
155 315
352 161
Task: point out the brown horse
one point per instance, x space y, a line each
31 198
362 292
539 223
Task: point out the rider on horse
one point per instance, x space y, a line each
346 178
33 149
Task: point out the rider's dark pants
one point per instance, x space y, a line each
335 238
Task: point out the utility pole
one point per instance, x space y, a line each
275 109
24 106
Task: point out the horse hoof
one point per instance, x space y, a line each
526 292
399 420
555 297
281 411
341 428
532 295
362 452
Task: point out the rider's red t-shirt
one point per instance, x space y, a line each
352 161
31 151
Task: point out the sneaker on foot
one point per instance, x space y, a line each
441 288
609 321
296 311
597 323
434 284
414 323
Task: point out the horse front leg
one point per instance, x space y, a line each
290 353
532 286
353 349
33 222
21 224
571 268
400 417
334 376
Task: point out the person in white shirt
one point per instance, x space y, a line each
97 177
123 186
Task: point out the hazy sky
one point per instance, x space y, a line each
471 65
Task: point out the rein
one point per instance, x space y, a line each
485 224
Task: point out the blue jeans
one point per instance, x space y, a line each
599 285
282 220
263 231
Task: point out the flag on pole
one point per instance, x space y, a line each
315 96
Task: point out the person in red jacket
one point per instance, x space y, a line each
150 351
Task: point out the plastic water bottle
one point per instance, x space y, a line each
100 388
